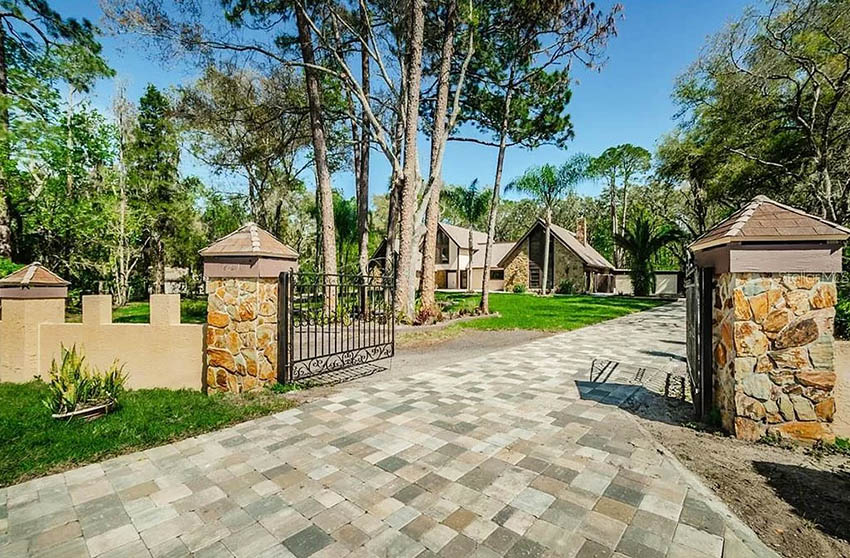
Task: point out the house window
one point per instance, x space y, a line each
442 247
497 274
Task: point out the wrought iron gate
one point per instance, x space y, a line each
698 296
327 322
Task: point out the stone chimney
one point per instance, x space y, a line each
581 230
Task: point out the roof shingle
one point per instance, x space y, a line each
250 240
764 220
585 252
33 275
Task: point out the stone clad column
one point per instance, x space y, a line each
242 272
773 320
774 354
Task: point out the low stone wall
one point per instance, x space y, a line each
241 333
774 354
163 353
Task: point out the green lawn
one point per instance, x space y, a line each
34 444
549 313
192 311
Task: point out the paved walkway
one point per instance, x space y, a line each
514 454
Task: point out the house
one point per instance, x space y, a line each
453 255
571 258
452 258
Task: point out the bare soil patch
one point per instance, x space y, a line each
796 499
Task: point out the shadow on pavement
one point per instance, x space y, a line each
343 375
637 400
671 356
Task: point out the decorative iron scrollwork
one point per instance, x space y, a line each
330 363
334 321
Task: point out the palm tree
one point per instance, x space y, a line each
469 204
641 242
548 185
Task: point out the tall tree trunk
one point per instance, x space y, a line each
625 206
69 143
122 279
396 178
158 265
469 262
546 250
365 141
405 295
613 208
124 259
435 169
320 149
5 226
494 202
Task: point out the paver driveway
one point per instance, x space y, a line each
513 454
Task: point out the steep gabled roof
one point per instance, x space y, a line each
766 220
250 240
500 250
585 252
33 275
460 236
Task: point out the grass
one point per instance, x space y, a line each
192 311
529 312
35 444
549 313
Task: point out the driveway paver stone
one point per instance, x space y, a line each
514 454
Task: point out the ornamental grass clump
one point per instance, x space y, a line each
75 386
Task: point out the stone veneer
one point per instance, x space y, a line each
774 354
516 272
241 333
568 266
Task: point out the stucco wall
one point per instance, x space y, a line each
19 335
163 353
453 258
666 284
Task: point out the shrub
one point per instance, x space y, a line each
519 288
566 286
75 385
7 267
425 315
277 387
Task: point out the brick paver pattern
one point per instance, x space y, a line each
515 454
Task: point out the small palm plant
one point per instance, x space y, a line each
470 205
74 385
641 242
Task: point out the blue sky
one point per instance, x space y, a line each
627 102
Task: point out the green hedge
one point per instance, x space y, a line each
8 267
